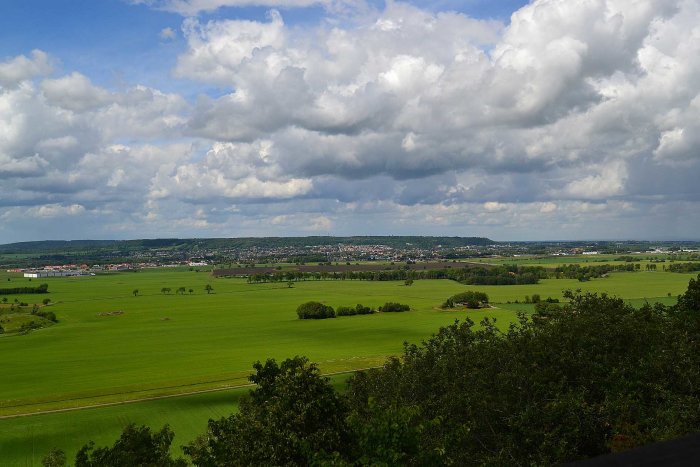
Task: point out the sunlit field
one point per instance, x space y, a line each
114 344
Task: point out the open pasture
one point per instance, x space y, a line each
113 345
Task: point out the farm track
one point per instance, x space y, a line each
146 399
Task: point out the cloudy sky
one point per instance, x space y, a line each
516 120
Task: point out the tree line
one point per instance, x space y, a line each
43 288
318 310
498 275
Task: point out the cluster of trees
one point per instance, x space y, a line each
592 377
393 307
359 309
317 310
470 299
43 288
585 273
499 275
49 315
684 267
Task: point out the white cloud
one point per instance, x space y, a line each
409 119
194 7
167 34
55 210
74 92
22 68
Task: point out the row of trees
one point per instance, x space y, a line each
592 377
318 310
43 288
179 291
500 275
684 267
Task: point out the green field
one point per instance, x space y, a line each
164 344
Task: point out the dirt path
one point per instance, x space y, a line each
155 398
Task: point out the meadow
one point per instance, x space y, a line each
113 345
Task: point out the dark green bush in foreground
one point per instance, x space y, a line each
589 377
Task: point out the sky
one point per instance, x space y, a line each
514 120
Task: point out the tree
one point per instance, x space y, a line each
55 458
46 301
208 288
191 291
315 310
181 290
290 284
4 299
408 282
135 292
293 417
165 290
137 446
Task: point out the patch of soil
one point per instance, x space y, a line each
111 313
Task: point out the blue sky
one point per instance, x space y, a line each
550 119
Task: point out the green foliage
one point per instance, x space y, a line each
137 446
292 416
359 309
393 307
43 288
50 315
55 458
684 267
591 377
315 310
470 299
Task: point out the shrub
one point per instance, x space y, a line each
315 310
345 311
391 307
50 315
364 310
358 310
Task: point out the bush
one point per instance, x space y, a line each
358 310
391 307
364 310
315 310
345 311
50 315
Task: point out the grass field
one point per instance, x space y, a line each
25 440
169 344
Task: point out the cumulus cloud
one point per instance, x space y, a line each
22 68
574 110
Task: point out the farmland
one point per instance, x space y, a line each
121 337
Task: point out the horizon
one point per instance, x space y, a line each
527 120
582 240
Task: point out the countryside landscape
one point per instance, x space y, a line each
174 344
349 233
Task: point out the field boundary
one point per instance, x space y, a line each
154 398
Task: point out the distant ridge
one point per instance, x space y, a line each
242 242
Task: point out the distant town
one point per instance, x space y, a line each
76 258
